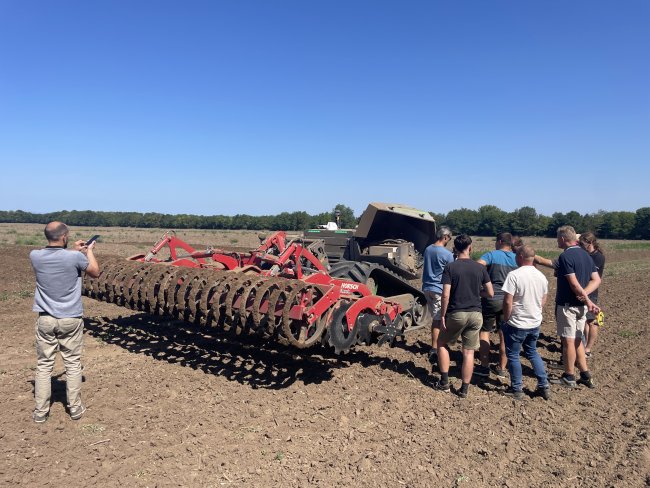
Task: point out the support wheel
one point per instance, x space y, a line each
340 337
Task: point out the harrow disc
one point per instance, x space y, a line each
339 336
299 332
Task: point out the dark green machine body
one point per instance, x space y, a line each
384 251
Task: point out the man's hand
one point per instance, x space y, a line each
593 308
443 326
79 245
84 249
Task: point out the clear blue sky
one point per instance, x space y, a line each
224 107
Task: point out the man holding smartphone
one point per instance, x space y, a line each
57 299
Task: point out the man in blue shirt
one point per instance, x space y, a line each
498 263
436 257
577 277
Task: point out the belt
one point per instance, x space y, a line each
45 314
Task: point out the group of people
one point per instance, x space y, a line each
504 292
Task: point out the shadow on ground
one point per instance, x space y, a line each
258 363
255 362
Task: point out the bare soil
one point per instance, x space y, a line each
174 405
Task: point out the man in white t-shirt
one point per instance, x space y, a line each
525 290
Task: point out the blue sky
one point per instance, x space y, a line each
259 107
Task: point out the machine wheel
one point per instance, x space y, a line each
340 337
419 315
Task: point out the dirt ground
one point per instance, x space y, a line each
174 405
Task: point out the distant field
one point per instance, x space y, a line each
128 240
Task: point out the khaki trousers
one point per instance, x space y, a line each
66 335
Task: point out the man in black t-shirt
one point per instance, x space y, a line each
462 282
577 277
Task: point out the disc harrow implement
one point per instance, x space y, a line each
280 291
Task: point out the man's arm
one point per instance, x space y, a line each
593 284
575 286
444 303
507 306
581 293
544 262
480 261
93 267
488 290
544 299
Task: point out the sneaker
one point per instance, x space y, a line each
558 365
544 392
501 373
442 387
77 413
38 418
461 393
433 356
514 394
563 381
482 371
588 382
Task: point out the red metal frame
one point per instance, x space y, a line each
274 257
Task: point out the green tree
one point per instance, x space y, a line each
642 223
463 221
491 220
617 225
593 222
575 220
524 222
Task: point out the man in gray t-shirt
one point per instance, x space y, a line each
57 299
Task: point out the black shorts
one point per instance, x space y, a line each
492 314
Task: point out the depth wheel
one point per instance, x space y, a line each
340 337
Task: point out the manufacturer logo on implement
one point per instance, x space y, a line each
349 286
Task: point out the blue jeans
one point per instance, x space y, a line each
526 339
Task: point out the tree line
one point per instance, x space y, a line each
486 221
525 221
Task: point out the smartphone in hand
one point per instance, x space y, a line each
92 239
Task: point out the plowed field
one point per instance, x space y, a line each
174 405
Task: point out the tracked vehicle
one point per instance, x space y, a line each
383 252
